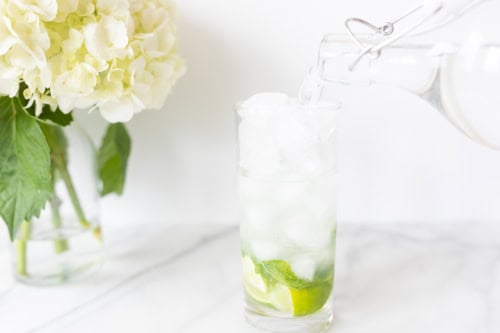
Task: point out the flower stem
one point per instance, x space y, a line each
65 176
58 152
60 244
21 247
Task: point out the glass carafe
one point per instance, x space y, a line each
456 68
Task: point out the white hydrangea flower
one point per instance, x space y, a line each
119 110
116 8
7 39
74 87
9 80
45 10
119 56
106 39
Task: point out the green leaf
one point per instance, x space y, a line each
25 178
279 271
112 159
56 117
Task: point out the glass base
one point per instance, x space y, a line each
314 323
59 256
63 274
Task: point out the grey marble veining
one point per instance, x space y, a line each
389 279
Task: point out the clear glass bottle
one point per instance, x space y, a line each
65 242
456 68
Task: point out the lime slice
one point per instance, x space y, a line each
281 298
274 283
254 284
278 296
309 300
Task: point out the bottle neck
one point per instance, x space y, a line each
410 67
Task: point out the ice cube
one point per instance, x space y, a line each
289 194
258 154
296 143
303 266
304 230
266 250
304 136
292 136
264 101
279 135
259 217
321 198
254 190
320 120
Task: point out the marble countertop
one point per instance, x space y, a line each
389 279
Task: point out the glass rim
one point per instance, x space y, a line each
333 105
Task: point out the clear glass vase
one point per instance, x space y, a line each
64 243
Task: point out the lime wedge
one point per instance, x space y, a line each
274 283
254 283
281 298
278 296
309 300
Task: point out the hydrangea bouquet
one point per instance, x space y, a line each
116 57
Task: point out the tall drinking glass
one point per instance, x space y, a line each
288 218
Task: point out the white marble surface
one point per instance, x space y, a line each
389 279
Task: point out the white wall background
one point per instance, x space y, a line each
398 159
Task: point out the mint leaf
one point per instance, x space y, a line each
112 159
279 271
25 178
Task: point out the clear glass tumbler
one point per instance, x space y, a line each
288 214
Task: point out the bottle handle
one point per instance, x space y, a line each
426 11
